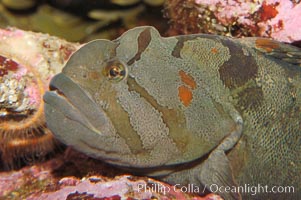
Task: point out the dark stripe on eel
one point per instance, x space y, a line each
143 41
176 52
121 122
239 69
173 119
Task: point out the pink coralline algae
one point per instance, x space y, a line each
277 19
28 60
49 181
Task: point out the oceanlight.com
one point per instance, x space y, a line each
250 189
191 188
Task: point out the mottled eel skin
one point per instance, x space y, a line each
198 109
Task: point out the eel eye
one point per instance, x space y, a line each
115 71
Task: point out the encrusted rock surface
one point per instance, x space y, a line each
277 19
28 61
74 176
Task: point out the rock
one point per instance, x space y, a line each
28 61
269 18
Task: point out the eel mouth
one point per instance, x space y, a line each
71 112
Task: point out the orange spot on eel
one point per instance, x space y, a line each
214 50
185 95
266 44
187 79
